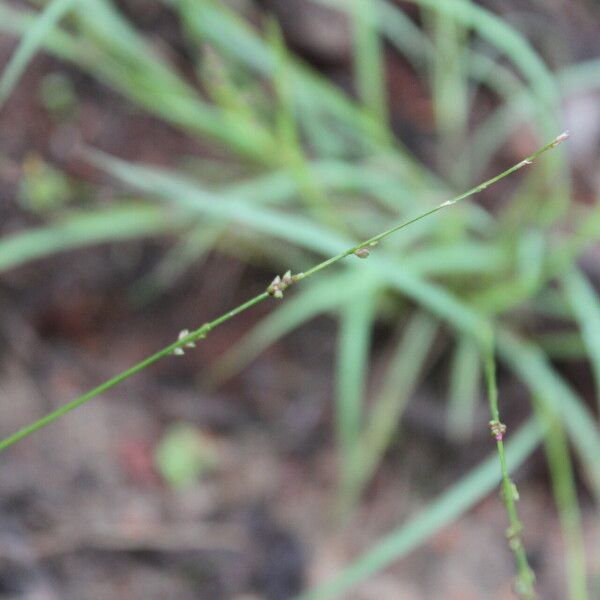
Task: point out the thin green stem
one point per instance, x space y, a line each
277 287
447 203
195 335
525 575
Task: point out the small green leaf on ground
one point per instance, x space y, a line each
43 189
184 455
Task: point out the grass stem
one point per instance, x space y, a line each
276 289
525 576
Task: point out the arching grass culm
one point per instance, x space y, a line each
276 289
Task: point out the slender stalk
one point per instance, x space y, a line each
199 333
525 576
276 289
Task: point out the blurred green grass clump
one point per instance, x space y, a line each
320 168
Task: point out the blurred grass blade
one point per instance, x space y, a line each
458 257
465 371
557 260
585 304
521 107
449 91
281 187
531 252
113 52
291 150
285 118
369 67
142 74
29 45
400 381
515 46
565 497
189 250
520 52
503 37
217 24
81 229
584 234
405 35
462 496
212 22
510 42
560 345
532 367
353 348
308 302
58 42
189 195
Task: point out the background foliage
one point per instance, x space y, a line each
295 168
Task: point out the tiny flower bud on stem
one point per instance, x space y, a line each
280 284
561 138
497 429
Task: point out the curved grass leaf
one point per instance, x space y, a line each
315 298
351 374
565 497
462 496
585 303
560 345
30 43
532 367
465 371
81 229
368 60
189 250
212 22
400 380
117 55
509 41
521 107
